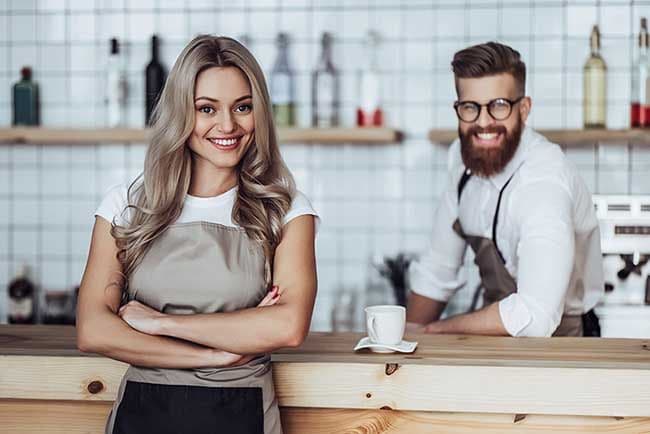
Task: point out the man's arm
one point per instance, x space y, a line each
486 321
435 276
422 310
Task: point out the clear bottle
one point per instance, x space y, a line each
154 80
116 87
26 105
639 77
369 112
282 85
22 299
325 88
595 85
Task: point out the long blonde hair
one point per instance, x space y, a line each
155 198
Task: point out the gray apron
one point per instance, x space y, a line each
496 281
198 267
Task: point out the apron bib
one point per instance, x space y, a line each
198 267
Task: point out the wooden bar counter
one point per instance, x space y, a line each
451 384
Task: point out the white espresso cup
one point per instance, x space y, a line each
385 324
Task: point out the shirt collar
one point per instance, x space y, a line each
527 139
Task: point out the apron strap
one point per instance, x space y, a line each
496 218
467 174
463 181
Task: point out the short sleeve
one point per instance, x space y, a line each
113 206
301 206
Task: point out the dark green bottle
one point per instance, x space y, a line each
25 100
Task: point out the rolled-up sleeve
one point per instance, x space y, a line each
545 253
437 273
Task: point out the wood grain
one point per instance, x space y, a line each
37 417
453 350
331 421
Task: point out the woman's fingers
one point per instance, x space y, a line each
270 298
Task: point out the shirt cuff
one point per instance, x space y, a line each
514 313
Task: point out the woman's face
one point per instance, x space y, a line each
224 122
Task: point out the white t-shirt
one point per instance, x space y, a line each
216 209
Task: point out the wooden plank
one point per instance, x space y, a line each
568 391
52 417
432 350
41 135
339 135
36 417
333 421
60 378
46 136
568 137
594 392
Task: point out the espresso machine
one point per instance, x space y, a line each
624 222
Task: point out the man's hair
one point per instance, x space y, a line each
489 59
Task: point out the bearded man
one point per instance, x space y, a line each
520 205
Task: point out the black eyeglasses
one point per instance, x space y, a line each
499 109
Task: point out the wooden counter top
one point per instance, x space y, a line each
41 340
475 378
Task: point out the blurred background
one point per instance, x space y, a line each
376 200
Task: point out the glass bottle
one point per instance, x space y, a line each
154 80
325 88
369 112
22 297
282 85
116 87
595 90
639 77
26 106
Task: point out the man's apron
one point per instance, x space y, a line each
496 281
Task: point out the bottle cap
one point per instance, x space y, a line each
283 39
26 73
23 271
115 46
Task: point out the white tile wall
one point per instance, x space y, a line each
372 199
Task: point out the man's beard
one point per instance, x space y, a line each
490 161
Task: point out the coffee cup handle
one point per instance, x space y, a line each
371 329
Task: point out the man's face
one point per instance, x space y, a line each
488 144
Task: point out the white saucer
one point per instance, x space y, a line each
402 347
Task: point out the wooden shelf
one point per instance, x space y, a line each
568 137
37 135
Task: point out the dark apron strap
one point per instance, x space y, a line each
461 186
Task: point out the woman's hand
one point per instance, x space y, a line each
141 317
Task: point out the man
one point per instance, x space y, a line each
516 200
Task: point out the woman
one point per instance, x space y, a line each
194 246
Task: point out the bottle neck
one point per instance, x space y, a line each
282 61
326 55
154 50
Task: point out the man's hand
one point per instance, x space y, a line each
413 327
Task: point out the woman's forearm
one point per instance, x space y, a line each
247 331
109 336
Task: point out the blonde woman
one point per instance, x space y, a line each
205 264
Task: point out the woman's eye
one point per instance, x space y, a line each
206 109
244 108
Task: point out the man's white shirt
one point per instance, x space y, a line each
547 232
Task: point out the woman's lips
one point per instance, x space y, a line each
225 144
